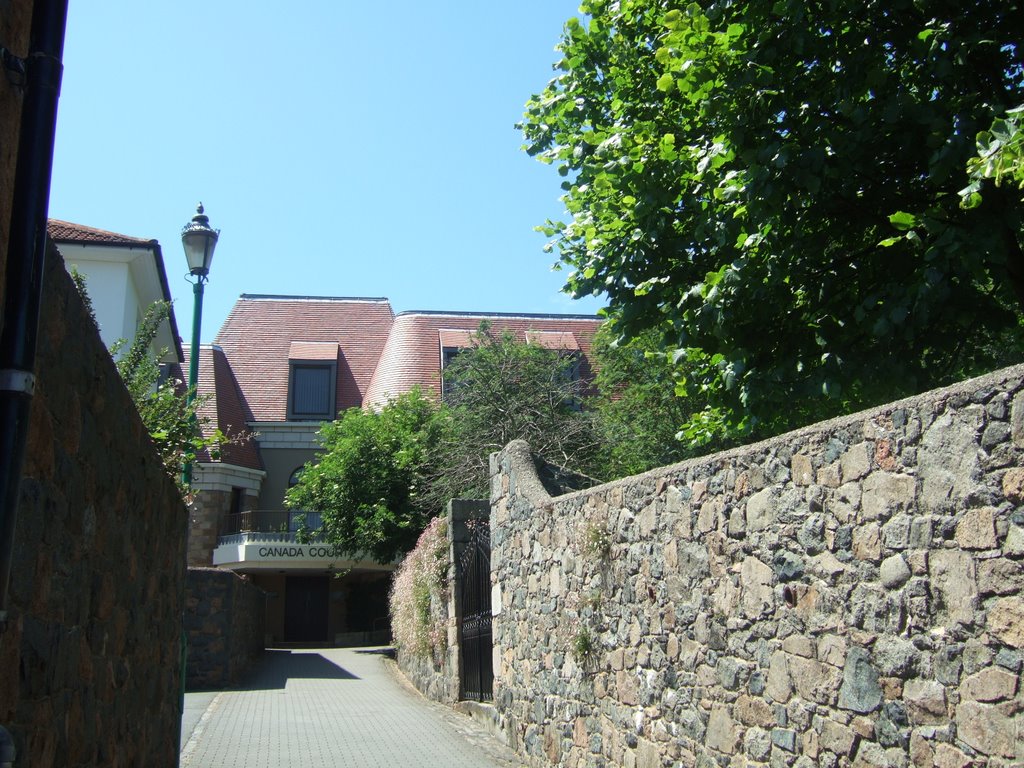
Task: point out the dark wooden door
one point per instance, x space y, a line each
305 609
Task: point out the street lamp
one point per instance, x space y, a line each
199 240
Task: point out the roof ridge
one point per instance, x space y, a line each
526 315
286 297
83 229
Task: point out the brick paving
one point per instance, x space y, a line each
334 707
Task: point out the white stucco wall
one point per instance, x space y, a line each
122 282
114 298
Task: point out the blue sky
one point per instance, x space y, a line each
348 149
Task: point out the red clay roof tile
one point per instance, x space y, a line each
456 338
225 409
313 350
69 232
553 339
258 334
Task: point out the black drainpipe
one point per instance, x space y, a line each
25 255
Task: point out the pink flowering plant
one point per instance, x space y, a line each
419 595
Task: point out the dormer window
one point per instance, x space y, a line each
312 381
563 341
565 344
570 357
452 342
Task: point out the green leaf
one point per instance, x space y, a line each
903 220
665 82
667 147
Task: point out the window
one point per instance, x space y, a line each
573 364
312 391
452 341
447 355
572 377
567 347
570 360
312 380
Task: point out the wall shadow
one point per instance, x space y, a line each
280 666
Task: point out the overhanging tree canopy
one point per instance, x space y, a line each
775 185
635 408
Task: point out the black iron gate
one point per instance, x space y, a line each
477 679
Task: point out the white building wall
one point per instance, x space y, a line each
122 283
113 296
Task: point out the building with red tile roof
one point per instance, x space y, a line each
357 327
415 351
124 275
279 367
66 231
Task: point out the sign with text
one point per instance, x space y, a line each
302 551
257 553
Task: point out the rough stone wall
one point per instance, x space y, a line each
90 660
435 680
844 595
248 627
225 625
206 512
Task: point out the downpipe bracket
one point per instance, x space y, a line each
13 380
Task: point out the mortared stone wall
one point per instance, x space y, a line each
90 660
849 594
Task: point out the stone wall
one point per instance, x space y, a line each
845 595
90 660
207 513
225 625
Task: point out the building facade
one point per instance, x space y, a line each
279 367
124 275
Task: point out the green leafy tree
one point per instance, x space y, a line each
1000 157
174 424
773 185
369 481
639 416
502 390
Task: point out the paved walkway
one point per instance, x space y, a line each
334 707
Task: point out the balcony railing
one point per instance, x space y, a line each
270 525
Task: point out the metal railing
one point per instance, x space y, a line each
271 521
259 537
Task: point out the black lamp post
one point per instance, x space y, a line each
199 240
